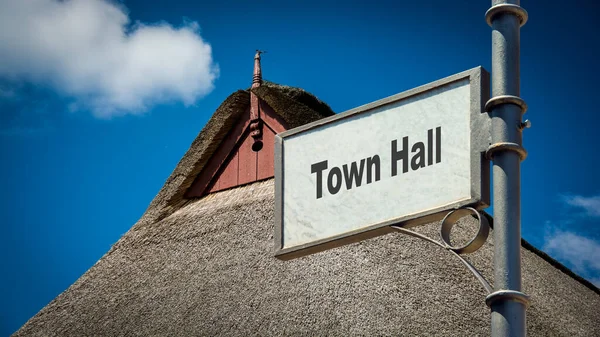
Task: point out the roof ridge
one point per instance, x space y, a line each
306 98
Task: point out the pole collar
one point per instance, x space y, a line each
506 8
507 295
506 146
505 99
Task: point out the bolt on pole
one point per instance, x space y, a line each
507 303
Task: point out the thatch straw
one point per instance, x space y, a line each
208 269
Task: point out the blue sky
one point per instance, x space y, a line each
99 100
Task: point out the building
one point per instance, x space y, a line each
200 260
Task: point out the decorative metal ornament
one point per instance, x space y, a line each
256 124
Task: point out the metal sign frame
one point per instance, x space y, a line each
480 167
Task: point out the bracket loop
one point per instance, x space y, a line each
450 220
506 8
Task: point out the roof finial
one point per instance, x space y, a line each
257 78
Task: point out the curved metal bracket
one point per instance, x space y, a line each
449 221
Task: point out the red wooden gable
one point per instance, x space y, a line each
234 163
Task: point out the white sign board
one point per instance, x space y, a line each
401 160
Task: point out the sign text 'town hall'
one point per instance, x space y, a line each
351 175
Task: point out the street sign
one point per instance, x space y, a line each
402 160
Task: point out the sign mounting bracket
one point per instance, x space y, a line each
449 220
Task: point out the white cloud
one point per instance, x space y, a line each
580 252
591 205
88 50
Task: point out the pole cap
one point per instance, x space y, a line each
506 8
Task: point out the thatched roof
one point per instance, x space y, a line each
206 267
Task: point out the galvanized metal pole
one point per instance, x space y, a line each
507 302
